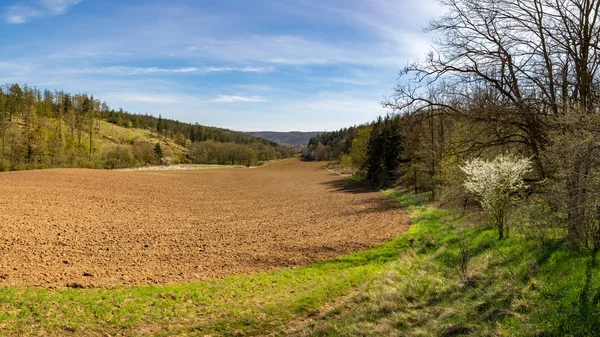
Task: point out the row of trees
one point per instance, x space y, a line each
179 131
41 129
506 76
211 152
374 150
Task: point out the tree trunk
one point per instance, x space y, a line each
500 226
91 135
416 186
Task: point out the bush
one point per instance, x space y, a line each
4 165
494 183
143 153
346 164
118 157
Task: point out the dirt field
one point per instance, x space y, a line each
77 227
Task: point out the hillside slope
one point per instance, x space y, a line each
290 138
57 129
140 146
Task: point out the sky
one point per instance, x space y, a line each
248 65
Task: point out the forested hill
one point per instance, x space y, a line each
290 138
40 129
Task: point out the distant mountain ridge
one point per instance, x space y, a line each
289 138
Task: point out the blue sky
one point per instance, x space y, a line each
242 64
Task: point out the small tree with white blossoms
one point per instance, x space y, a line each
494 183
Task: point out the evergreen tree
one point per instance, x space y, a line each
158 151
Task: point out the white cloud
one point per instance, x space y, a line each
26 11
352 81
16 18
143 98
394 28
254 87
15 67
235 99
121 70
58 7
18 14
242 70
287 50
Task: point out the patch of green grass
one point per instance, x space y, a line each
407 200
255 304
513 287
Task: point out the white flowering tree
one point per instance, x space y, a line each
494 184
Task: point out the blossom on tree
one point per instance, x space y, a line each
494 182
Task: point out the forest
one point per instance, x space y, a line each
295 138
506 81
45 129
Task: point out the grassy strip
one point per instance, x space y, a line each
248 305
453 279
180 167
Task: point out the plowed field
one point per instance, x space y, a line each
77 227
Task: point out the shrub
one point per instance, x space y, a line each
118 157
4 165
494 183
347 164
144 153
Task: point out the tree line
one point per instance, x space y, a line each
179 131
374 150
40 129
506 77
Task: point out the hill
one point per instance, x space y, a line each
57 129
289 138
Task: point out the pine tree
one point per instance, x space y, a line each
158 151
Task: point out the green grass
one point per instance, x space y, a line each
176 167
514 287
210 167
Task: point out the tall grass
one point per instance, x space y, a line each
453 279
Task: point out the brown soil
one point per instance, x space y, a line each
77 227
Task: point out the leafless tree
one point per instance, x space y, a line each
511 65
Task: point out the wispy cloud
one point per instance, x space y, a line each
351 81
58 7
121 70
286 50
144 98
395 27
254 87
235 99
26 11
242 70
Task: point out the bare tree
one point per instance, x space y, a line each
511 65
